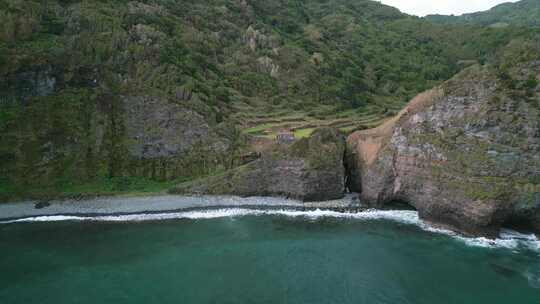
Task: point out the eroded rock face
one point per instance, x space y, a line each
466 155
164 139
311 169
82 138
157 128
22 85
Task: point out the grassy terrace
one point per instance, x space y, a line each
269 121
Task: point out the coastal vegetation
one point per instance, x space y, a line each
114 96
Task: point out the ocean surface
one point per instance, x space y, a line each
240 255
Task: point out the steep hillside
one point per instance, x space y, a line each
465 154
522 13
116 95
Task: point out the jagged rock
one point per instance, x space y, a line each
183 94
311 169
466 155
157 128
267 65
255 39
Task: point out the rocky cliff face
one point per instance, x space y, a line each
465 155
169 139
82 137
40 81
310 169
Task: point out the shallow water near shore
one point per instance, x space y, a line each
260 256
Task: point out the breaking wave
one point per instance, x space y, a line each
508 238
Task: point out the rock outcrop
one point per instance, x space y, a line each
19 87
82 137
157 127
311 169
164 139
466 154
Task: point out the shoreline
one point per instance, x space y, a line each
166 206
156 203
173 207
160 203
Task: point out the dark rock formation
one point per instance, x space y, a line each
165 139
20 86
466 154
311 169
157 127
82 137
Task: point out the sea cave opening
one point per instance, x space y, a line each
522 223
398 204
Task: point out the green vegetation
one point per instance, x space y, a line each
522 13
302 124
247 67
301 133
99 186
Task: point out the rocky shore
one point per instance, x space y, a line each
466 155
163 203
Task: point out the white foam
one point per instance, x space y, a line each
140 217
533 277
509 239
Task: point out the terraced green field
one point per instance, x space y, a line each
268 121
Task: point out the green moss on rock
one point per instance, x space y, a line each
310 169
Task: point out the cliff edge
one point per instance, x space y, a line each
310 169
466 154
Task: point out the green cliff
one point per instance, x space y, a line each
112 96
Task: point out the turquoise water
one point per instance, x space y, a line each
257 259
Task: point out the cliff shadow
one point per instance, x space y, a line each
398 204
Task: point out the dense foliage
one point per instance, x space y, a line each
337 52
65 66
522 13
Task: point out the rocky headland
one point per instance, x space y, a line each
103 98
466 155
310 169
